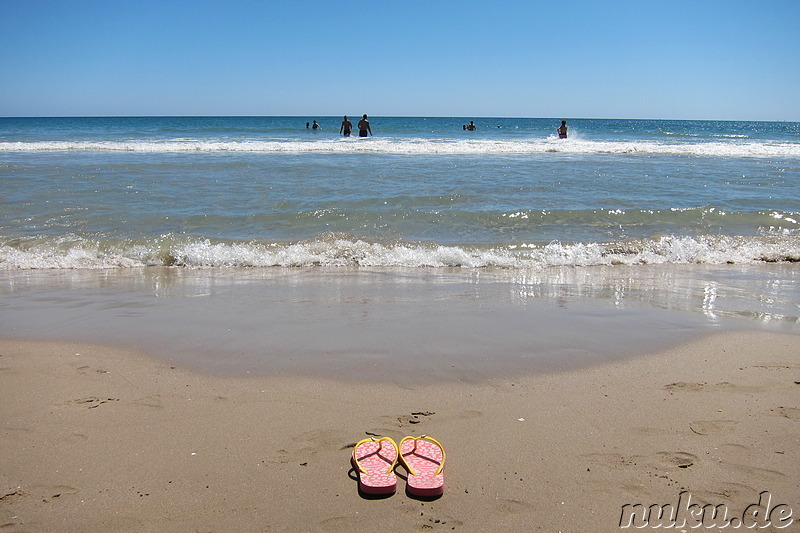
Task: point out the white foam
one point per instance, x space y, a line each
411 146
85 254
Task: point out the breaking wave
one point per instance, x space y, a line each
331 251
412 146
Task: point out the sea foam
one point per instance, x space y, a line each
344 252
417 146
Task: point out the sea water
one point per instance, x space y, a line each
237 200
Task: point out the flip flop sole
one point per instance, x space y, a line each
374 463
424 461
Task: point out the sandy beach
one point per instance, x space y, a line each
583 280
97 438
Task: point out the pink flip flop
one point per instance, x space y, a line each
423 458
374 460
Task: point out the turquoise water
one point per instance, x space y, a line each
265 191
251 244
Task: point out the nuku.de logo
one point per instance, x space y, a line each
686 514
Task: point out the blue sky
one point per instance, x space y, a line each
699 59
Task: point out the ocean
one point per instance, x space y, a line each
699 219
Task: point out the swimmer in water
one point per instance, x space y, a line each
347 127
562 130
363 127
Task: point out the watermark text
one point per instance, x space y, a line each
686 514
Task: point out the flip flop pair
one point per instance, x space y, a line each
423 458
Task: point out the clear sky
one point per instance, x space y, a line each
698 59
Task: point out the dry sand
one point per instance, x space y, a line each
102 439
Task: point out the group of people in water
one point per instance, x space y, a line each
562 130
364 128
347 127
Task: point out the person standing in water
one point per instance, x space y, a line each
562 130
363 127
346 128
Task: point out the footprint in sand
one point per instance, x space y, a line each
86 369
659 460
672 459
415 417
310 444
390 424
320 439
712 427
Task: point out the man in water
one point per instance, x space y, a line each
472 126
346 128
315 126
363 127
562 130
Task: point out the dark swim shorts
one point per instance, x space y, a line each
362 133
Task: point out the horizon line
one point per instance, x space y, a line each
465 117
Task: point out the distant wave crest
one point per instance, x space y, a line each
411 146
78 253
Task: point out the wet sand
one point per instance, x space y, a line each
395 324
101 438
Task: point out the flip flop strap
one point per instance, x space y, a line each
377 452
414 449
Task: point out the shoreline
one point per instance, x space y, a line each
395 325
104 438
